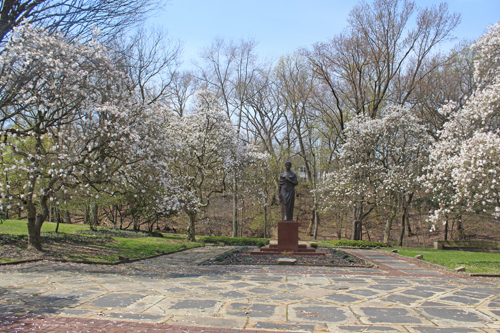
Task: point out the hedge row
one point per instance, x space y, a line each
234 241
119 233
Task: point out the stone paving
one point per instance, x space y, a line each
397 295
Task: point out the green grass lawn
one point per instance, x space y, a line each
474 262
112 247
15 227
145 247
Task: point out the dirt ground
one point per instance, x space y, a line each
18 250
332 257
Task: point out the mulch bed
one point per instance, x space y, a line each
332 258
17 250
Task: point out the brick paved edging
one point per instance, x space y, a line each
17 324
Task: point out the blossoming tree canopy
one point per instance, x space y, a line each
206 149
464 163
380 159
68 120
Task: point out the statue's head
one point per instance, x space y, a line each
288 164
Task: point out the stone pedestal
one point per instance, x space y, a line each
288 241
288 236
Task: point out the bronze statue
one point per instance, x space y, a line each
286 190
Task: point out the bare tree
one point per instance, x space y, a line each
366 65
182 88
297 85
228 69
76 17
151 60
452 79
381 58
264 112
264 121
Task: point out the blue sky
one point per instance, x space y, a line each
282 26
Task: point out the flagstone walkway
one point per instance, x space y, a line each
173 293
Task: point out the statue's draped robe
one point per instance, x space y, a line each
287 193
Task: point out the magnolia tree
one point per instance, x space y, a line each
144 179
254 173
205 151
465 162
380 162
68 122
247 165
47 85
133 177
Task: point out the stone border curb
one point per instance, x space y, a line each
449 270
484 275
276 264
16 262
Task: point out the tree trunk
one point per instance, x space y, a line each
316 221
87 215
136 223
34 231
388 224
460 229
115 216
58 219
35 222
94 217
446 229
190 230
357 225
357 228
34 240
67 218
6 211
405 217
408 225
310 225
235 207
242 216
339 226
402 233
265 221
